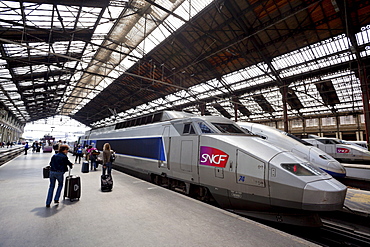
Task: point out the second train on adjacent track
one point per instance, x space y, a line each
299 147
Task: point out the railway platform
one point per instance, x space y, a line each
135 213
357 202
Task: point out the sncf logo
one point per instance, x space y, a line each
213 157
342 150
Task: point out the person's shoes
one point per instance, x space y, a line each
56 202
48 205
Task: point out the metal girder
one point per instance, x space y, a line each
239 106
85 3
221 110
45 75
327 92
34 34
263 103
16 62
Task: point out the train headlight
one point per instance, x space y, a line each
302 169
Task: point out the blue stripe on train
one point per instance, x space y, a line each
150 148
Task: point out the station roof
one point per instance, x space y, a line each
104 61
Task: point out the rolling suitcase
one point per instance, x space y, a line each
85 167
72 189
106 182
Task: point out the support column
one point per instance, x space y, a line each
320 127
338 134
236 112
365 99
285 108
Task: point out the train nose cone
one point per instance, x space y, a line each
324 195
337 170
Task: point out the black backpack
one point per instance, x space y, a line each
112 157
56 146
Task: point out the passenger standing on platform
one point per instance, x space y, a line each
26 147
93 153
107 162
84 152
78 154
58 166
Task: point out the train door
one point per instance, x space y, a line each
251 177
329 147
166 141
184 154
250 171
320 145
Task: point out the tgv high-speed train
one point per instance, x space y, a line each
298 147
340 150
213 158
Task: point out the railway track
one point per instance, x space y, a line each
356 183
336 234
339 229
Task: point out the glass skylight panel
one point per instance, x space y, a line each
363 37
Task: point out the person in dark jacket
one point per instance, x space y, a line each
58 166
26 147
78 153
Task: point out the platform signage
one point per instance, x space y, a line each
213 157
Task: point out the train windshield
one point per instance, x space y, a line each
328 141
228 128
204 128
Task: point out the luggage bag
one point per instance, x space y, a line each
46 172
106 182
72 189
85 167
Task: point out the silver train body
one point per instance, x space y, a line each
213 157
308 152
340 150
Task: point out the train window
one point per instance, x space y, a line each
262 136
204 128
228 128
188 129
297 139
325 141
303 169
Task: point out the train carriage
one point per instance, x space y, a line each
212 158
340 150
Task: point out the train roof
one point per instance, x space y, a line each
165 116
159 117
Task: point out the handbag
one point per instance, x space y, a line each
46 172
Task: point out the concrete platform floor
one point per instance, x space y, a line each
135 213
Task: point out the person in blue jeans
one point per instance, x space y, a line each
107 158
58 166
